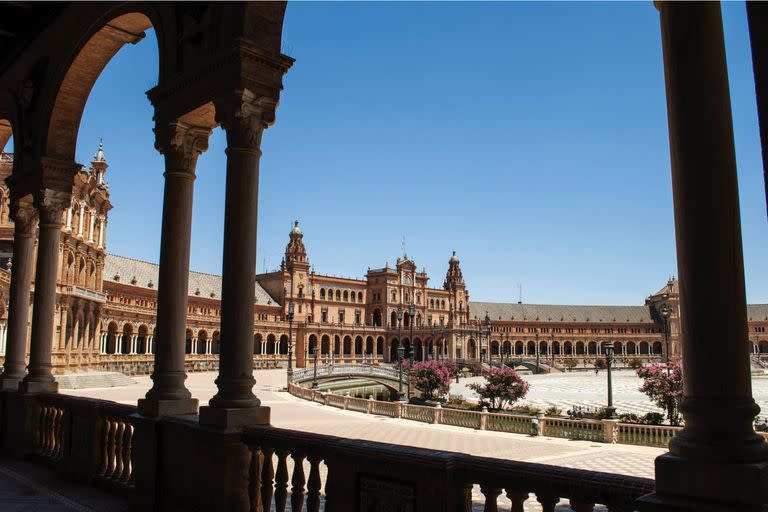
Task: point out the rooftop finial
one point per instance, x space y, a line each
99 156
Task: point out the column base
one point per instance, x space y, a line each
38 387
10 383
155 408
685 484
225 418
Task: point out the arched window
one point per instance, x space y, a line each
301 291
322 293
346 296
432 303
359 296
394 296
338 294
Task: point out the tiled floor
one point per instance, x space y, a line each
28 487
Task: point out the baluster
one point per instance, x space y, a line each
465 498
111 443
40 438
297 482
49 431
281 481
254 480
104 447
46 430
118 449
547 501
491 498
314 484
581 506
267 477
127 438
58 433
518 499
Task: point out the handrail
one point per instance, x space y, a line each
359 470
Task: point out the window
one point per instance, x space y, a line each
341 316
359 296
322 293
357 317
394 296
324 315
338 294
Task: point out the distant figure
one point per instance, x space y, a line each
597 369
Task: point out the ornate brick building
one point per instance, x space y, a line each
106 308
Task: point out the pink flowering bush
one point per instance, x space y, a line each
432 378
665 389
502 386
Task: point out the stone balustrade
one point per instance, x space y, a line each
354 473
608 431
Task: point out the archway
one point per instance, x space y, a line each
471 349
376 318
531 348
271 345
188 342
347 346
257 344
380 346
283 349
657 350
325 345
202 342
645 349
125 342
312 344
111 338
358 345
580 348
141 339
419 356
369 345
394 345
216 343
631 348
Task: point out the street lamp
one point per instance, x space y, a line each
610 410
400 394
314 376
488 336
411 316
289 316
399 328
537 350
665 315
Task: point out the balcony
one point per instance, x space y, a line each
84 293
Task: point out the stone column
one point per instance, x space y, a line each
69 218
181 144
50 205
81 220
717 461
92 218
244 119
24 218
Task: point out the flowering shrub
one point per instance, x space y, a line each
502 386
432 378
664 388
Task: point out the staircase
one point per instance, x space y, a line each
93 380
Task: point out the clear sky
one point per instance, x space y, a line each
529 137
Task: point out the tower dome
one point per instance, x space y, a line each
296 230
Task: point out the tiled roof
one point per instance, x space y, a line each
146 273
757 312
556 313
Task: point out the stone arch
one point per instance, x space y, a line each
495 348
418 349
312 343
359 345
631 348
271 345
283 349
380 346
202 341
394 345
618 348
369 345
111 338
125 340
141 339
188 343
580 348
543 348
408 346
376 318
519 348
657 349
336 345
347 350
257 344
325 345
556 349
592 348
645 349
393 319
568 348
471 349
531 348
215 342
322 293
104 42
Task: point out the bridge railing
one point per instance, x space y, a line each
343 370
332 473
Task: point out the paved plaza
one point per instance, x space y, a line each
585 389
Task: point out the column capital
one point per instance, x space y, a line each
24 216
181 144
244 117
51 205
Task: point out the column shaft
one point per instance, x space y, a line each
181 145
51 205
24 218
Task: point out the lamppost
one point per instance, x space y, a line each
400 353
610 410
289 316
411 316
665 315
399 329
314 375
537 350
488 336
552 346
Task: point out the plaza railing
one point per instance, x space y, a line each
608 431
345 370
320 472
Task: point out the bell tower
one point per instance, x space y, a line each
459 296
295 252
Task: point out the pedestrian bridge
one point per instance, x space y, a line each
338 373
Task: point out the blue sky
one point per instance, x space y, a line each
529 137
